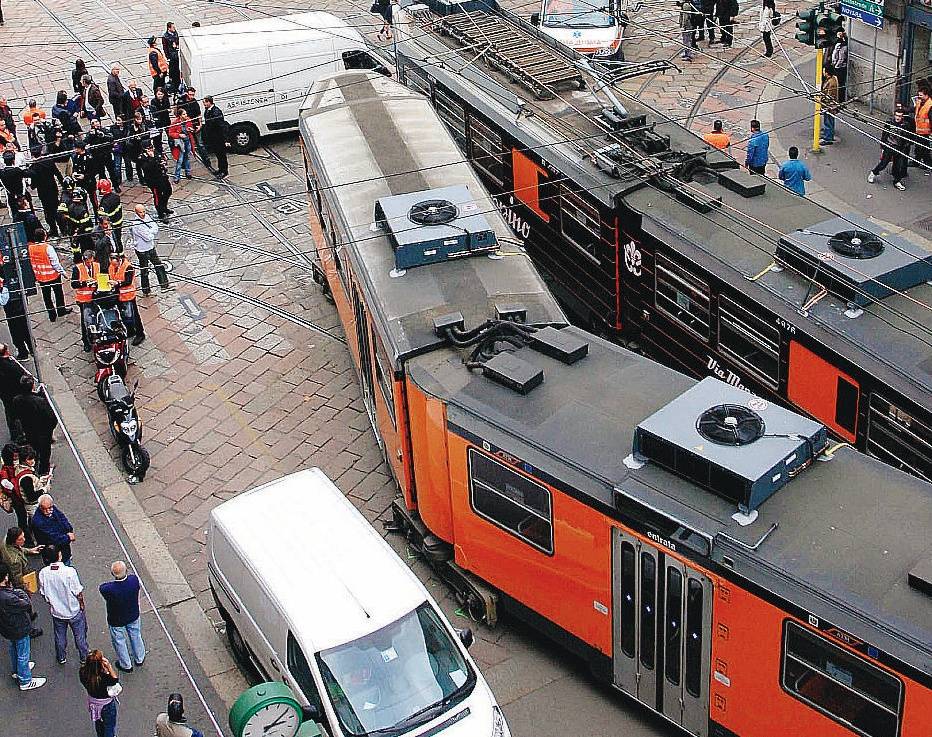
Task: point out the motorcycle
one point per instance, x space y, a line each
107 333
125 425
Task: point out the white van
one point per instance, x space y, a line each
259 71
313 596
595 29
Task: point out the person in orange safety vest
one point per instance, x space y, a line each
49 273
123 276
923 111
84 282
157 63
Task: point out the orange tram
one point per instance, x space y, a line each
712 555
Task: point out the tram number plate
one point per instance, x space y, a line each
781 323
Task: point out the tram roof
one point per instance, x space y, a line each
889 340
848 531
384 139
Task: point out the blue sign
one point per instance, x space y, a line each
862 15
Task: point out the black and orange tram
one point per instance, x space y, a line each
711 554
652 238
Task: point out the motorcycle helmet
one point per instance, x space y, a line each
104 186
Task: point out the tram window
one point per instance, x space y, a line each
682 296
648 609
385 376
487 150
417 81
628 591
511 501
694 634
839 684
674 626
452 114
358 59
580 222
898 438
846 406
749 341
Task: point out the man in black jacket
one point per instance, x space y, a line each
152 173
38 420
895 143
215 136
100 148
12 177
727 11
45 178
115 91
11 372
15 310
16 625
170 43
707 20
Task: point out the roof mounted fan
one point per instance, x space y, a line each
730 424
856 244
433 212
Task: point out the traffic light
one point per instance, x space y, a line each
828 25
806 26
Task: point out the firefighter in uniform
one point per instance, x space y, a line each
80 224
111 208
84 282
123 275
84 171
157 63
923 120
49 273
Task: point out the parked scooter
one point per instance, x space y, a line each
107 333
125 425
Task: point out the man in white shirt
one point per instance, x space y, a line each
145 230
61 588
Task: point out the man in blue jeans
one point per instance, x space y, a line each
122 597
61 588
15 625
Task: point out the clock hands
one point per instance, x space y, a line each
280 720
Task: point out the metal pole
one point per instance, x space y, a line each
870 107
817 117
22 290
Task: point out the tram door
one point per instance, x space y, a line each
661 628
363 344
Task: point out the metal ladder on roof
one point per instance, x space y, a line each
510 50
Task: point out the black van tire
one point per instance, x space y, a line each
238 646
243 137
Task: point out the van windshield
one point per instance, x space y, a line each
396 678
577 14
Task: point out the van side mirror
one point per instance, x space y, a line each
312 713
466 637
535 19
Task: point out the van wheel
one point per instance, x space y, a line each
244 137
238 645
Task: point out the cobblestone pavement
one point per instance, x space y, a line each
232 395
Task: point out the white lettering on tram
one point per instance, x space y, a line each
514 220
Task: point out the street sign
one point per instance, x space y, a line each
13 240
864 11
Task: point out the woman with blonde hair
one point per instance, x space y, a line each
99 678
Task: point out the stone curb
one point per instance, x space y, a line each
166 583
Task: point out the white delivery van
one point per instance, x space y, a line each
259 71
592 28
313 596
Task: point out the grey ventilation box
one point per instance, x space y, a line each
435 225
849 258
733 443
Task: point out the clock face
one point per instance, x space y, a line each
273 720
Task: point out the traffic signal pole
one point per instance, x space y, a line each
817 116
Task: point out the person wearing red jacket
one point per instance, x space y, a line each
181 136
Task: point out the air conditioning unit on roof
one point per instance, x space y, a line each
736 445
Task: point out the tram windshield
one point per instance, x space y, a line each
577 14
396 678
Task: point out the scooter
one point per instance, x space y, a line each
107 333
125 425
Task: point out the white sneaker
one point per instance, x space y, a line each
34 683
16 677
870 178
900 186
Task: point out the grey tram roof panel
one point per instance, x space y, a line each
836 520
384 140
